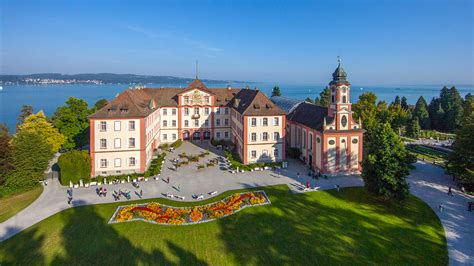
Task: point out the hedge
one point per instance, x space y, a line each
74 166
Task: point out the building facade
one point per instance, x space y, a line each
125 133
329 139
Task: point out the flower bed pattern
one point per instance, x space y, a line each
154 212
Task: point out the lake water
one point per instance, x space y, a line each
49 97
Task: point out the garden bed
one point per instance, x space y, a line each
157 213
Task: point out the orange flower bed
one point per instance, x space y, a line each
154 212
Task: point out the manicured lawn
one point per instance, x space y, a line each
11 205
327 227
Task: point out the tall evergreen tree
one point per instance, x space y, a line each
26 110
468 105
454 114
461 160
308 99
324 97
404 103
421 112
317 101
276 91
385 164
413 128
397 100
436 113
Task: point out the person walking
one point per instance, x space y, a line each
440 207
141 193
450 192
168 180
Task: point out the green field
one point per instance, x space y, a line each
327 227
13 204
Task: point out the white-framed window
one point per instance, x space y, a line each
265 136
226 110
186 111
218 135
186 123
103 125
131 142
265 122
254 122
226 134
117 143
226 122
103 163
165 111
131 125
196 123
173 136
253 154
253 137
117 162
206 99
276 121
206 111
165 137
165 123
117 125
196 111
275 153
186 99
276 136
218 122
173 111
173 123
103 143
131 161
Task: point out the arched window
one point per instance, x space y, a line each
344 99
344 121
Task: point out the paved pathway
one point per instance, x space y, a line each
427 182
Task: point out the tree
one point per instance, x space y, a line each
74 166
397 100
413 128
30 158
397 117
99 104
72 122
421 112
37 123
436 114
5 153
324 97
308 99
452 105
26 110
468 105
404 103
317 101
385 164
366 109
461 160
276 91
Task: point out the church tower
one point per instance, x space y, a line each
339 103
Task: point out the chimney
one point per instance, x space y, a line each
236 103
247 87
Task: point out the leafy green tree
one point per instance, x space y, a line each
276 91
317 101
72 122
468 105
38 123
461 160
99 104
398 117
74 165
366 109
436 113
30 158
5 153
413 128
404 103
308 99
421 112
324 97
385 164
26 110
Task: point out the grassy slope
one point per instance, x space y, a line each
11 205
325 227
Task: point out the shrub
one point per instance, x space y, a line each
155 166
74 165
163 146
177 143
201 166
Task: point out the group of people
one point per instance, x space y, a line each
470 204
102 191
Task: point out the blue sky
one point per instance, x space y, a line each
380 42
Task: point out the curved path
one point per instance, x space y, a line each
426 182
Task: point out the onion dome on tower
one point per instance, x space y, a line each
339 76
